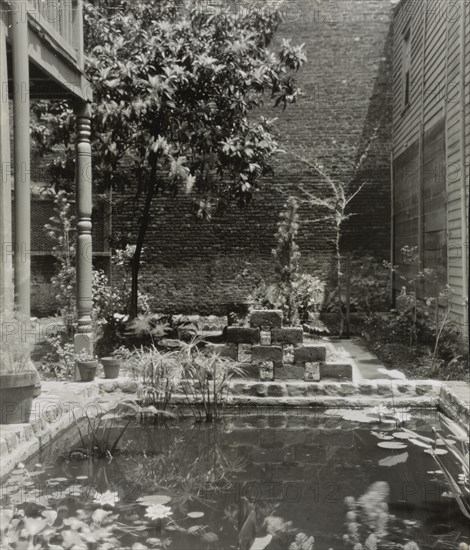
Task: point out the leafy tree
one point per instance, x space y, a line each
174 93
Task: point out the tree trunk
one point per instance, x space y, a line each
141 239
339 275
348 296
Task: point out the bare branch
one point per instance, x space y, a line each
317 168
358 190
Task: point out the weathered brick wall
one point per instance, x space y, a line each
195 266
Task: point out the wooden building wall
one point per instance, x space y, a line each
429 163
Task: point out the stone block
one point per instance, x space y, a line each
315 389
266 371
296 390
266 353
250 371
223 350
242 335
240 388
277 390
186 333
332 388
109 386
368 387
312 372
348 388
309 354
385 388
336 371
405 387
288 354
288 336
271 318
265 338
244 353
290 372
423 389
129 386
260 390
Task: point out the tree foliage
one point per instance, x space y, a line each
174 90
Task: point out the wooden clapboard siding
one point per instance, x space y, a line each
431 212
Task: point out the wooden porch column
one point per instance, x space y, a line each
83 180
6 264
22 159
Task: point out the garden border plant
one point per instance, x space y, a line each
299 295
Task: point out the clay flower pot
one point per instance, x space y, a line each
111 366
87 370
16 396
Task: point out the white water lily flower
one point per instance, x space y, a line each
99 515
50 516
33 526
158 511
109 497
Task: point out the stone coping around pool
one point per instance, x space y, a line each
52 411
454 400
52 414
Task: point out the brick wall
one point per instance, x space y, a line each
194 266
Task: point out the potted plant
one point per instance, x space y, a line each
112 365
18 377
87 366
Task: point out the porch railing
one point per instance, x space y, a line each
62 18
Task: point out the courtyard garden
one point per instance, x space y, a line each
326 409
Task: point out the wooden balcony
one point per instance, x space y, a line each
55 29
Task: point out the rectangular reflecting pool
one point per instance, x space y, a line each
287 480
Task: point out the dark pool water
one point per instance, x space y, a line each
271 477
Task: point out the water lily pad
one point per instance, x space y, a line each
148 500
261 542
194 528
382 435
210 537
391 445
401 435
436 451
80 478
359 416
195 515
393 460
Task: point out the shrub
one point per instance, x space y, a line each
296 293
